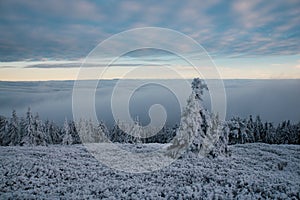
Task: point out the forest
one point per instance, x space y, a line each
31 131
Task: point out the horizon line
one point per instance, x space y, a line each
58 80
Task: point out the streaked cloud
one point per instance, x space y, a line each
68 30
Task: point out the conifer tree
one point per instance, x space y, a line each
67 137
4 139
39 134
14 130
28 138
198 133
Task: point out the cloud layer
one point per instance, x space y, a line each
273 100
70 29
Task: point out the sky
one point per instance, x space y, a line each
48 40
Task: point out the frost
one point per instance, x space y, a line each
200 132
70 172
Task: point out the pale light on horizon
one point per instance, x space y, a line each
281 67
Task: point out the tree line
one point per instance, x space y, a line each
254 130
31 130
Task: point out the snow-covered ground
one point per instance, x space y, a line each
70 172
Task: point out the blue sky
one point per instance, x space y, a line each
246 39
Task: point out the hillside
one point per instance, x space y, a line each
252 171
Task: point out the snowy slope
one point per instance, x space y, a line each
69 172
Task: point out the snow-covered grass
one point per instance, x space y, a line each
70 172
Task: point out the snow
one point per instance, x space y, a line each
70 172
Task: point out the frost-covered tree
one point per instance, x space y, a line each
297 129
22 124
97 132
52 132
85 130
136 132
39 134
258 129
286 133
198 132
270 133
91 133
113 136
198 87
67 137
14 130
118 134
28 138
165 135
101 132
238 131
74 133
81 128
217 137
123 132
46 130
4 137
294 134
33 133
250 129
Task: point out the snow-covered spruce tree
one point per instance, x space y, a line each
14 130
297 129
117 133
217 137
46 130
92 131
98 132
39 134
67 137
198 132
294 134
165 135
81 129
250 129
4 137
114 133
28 138
74 133
239 133
54 132
124 132
101 132
270 133
85 130
136 132
258 129
285 133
